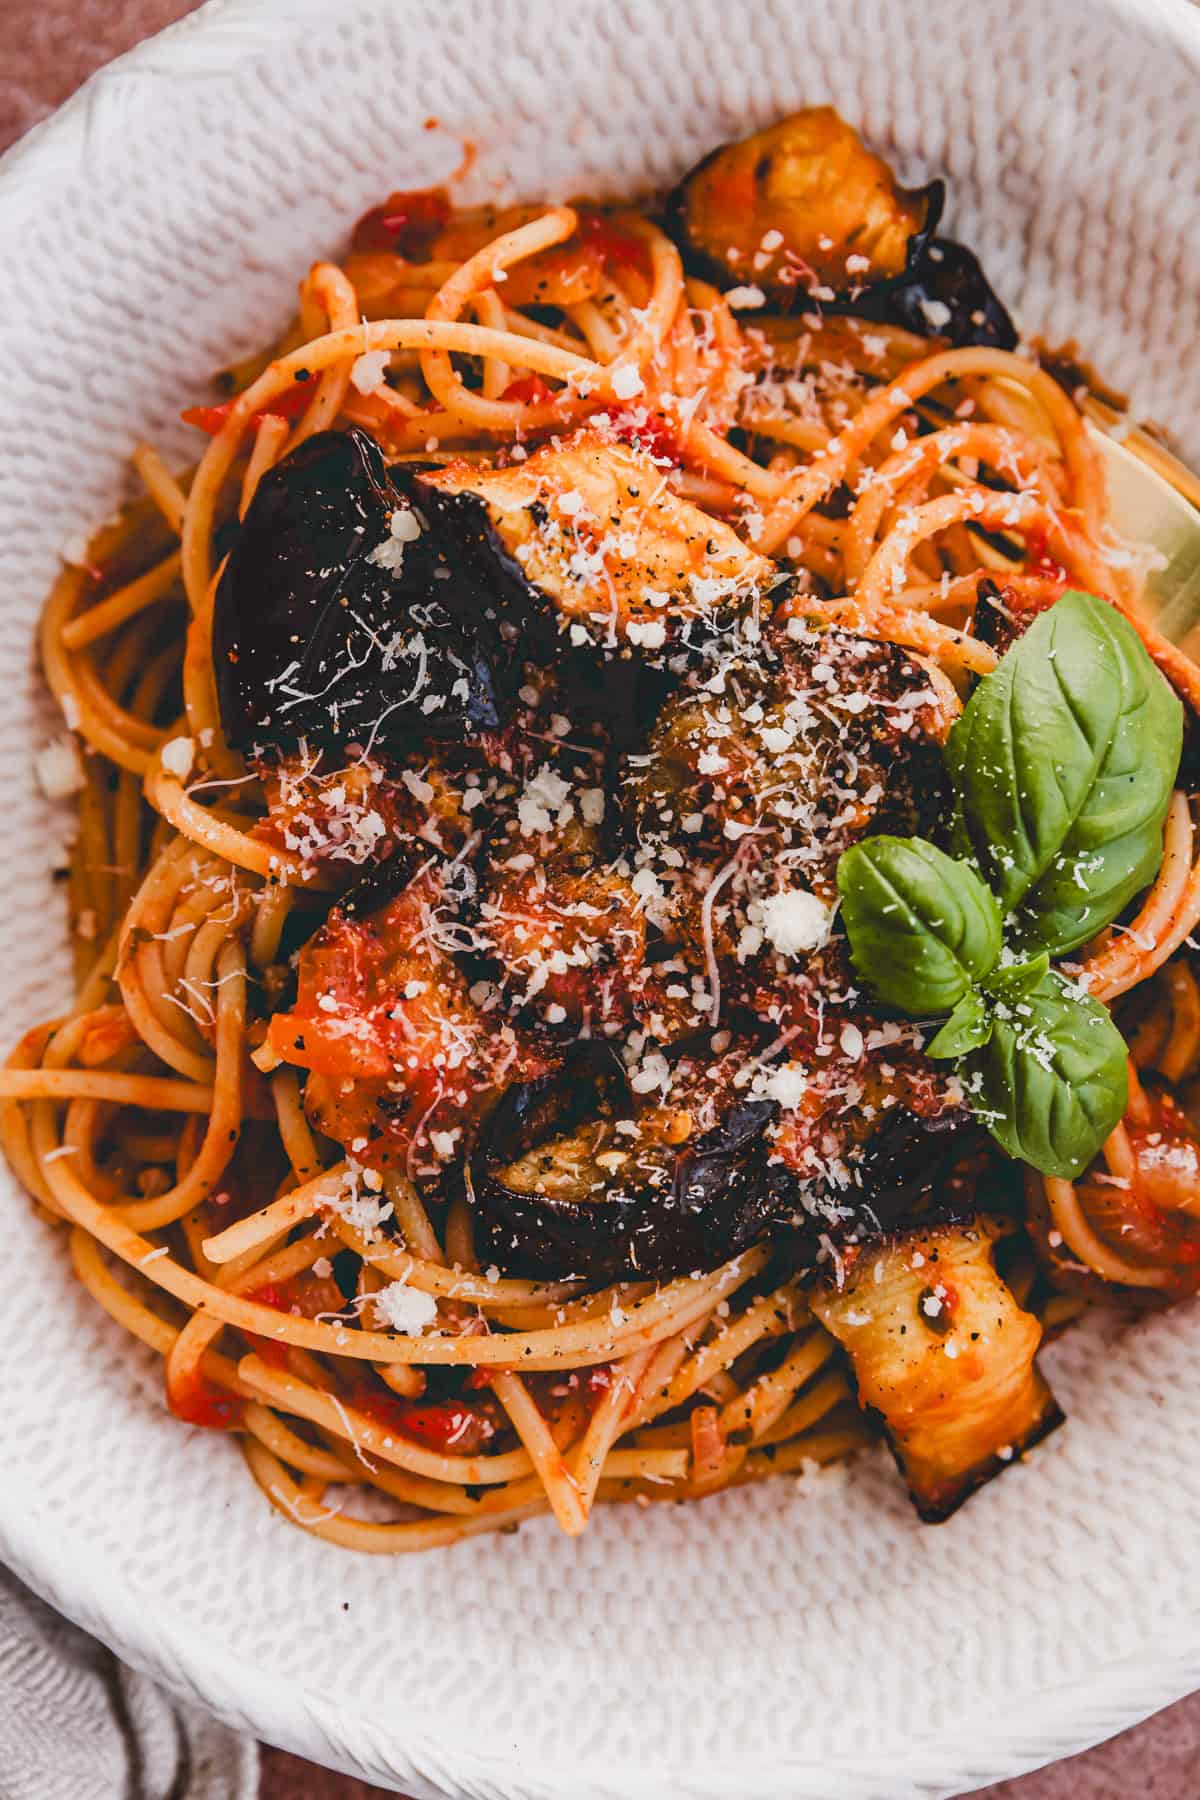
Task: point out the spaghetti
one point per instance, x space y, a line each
245 1122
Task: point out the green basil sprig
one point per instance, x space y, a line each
1062 765
924 928
1050 1082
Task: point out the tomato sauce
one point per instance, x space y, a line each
200 1402
288 405
406 223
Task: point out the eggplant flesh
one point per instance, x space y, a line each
778 747
805 211
331 620
943 1355
805 199
566 1183
585 539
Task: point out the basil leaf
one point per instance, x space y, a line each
1051 1081
1012 981
968 1027
1063 761
922 927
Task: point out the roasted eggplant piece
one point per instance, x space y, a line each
872 1137
793 757
944 1357
942 293
917 1168
803 201
805 211
330 621
570 1179
585 539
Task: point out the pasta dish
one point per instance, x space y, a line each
634 868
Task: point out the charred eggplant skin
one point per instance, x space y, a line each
943 1357
942 293
904 1167
315 637
715 1198
481 560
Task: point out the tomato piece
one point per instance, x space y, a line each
1167 1156
530 390
199 1402
288 405
1038 560
569 935
407 222
619 249
385 1021
656 436
457 1427
310 1296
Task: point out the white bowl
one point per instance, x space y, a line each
770 1643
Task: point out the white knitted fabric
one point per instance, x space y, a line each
75 1724
782 1644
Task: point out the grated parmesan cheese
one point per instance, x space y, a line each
796 921
787 1084
177 757
368 370
58 769
406 1309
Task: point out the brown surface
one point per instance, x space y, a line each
50 47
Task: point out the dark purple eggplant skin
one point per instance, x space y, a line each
715 1198
901 1174
312 640
940 272
478 559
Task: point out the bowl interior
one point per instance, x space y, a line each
809 1638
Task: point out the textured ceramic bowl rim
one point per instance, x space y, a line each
982 1745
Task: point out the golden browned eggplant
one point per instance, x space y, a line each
804 199
944 1356
804 213
587 535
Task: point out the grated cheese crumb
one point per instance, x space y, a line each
368 370
58 769
405 1308
796 921
936 312
787 1084
177 757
